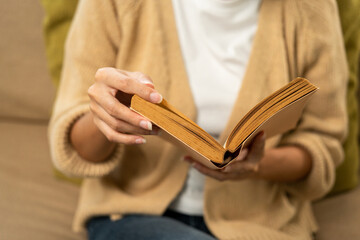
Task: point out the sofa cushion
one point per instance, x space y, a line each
26 91
33 204
347 173
339 216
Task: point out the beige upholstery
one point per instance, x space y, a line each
25 88
339 216
35 205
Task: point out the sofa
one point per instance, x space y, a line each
34 203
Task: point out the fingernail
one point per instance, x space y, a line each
146 125
263 136
146 81
140 141
156 97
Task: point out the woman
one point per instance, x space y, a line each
213 60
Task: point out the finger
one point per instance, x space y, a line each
141 77
188 159
125 83
117 137
220 176
116 124
257 148
242 155
241 168
118 111
242 164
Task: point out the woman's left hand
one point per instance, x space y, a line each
245 165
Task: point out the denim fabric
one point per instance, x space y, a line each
172 225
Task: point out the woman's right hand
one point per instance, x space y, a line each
110 97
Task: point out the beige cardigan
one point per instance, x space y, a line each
294 38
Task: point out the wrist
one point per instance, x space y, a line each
87 139
284 164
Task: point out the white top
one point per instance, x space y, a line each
215 38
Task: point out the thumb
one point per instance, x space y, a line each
257 148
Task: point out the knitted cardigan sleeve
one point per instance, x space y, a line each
323 125
92 43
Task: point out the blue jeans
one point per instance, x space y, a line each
171 225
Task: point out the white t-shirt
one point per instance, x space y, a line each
215 38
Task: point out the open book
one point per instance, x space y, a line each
275 114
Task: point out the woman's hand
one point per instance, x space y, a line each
282 164
245 165
110 97
110 120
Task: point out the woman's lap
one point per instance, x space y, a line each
143 227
